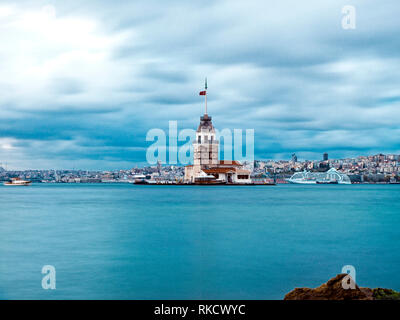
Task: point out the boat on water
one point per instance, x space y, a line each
142 179
332 176
139 179
17 182
207 179
209 182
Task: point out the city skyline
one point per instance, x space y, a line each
364 169
294 159
82 84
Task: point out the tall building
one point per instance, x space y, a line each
206 165
325 157
205 149
159 166
294 158
205 146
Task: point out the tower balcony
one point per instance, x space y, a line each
214 142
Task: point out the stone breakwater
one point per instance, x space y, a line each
333 290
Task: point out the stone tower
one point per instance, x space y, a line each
205 146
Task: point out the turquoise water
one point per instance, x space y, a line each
118 241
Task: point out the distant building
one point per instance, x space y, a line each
325 157
294 158
159 166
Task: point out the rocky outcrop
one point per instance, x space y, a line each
334 290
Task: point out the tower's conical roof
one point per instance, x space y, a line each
205 124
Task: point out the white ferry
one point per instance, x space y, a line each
18 182
332 176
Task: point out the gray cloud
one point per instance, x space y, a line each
87 84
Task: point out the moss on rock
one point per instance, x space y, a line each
385 294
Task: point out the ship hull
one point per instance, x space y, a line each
327 182
301 181
315 182
8 184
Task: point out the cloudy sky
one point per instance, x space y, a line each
81 82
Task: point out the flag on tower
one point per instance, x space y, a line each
204 93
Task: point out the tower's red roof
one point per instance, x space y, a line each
219 170
230 162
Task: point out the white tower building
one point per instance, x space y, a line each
206 164
205 147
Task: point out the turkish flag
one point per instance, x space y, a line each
202 93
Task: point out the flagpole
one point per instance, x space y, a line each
205 87
206 101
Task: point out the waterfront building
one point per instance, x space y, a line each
205 157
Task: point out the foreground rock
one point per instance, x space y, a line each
333 290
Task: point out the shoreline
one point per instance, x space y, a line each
342 287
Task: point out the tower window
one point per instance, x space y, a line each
199 139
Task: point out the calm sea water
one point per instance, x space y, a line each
118 241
